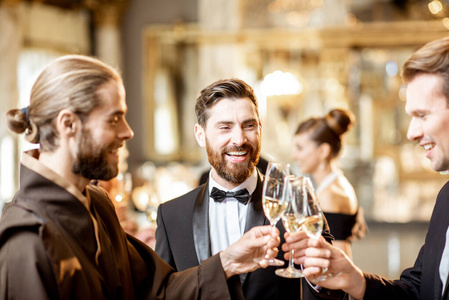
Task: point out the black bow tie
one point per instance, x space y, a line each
242 195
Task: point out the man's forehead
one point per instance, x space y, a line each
104 111
424 92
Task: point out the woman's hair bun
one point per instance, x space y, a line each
339 120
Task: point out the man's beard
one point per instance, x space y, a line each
92 160
234 172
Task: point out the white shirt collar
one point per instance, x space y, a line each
250 184
227 219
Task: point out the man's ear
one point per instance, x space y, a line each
200 135
67 123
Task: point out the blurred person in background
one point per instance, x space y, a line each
317 145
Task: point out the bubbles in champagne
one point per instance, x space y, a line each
291 222
274 208
313 226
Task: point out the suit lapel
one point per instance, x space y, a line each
442 224
201 234
255 215
431 287
201 225
440 248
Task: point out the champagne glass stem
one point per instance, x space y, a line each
290 271
273 226
290 263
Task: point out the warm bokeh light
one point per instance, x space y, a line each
446 22
119 198
402 93
391 68
277 6
435 7
280 83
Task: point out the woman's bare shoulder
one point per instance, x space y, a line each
334 199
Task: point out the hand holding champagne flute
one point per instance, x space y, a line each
313 222
293 192
272 198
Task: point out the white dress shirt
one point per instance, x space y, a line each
227 219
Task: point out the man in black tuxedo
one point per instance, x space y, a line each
193 227
426 73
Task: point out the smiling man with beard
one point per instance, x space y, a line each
206 220
60 237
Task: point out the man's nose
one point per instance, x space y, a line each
414 131
238 136
126 132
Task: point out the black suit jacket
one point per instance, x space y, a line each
422 281
183 241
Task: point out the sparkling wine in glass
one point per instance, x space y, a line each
314 220
292 220
313 226
272 199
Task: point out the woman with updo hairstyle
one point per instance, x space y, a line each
316 148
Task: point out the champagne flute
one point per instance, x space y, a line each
314 220
292 221
272 199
